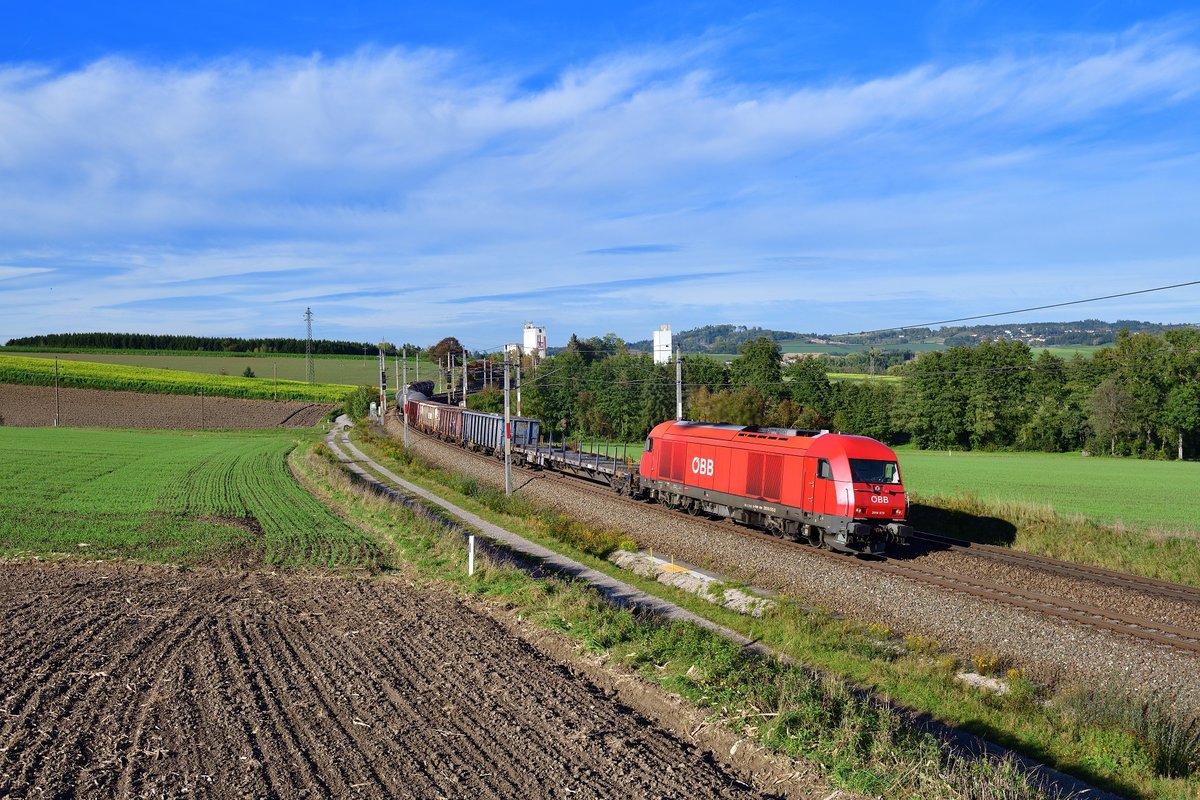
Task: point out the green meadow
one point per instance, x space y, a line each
1149 495
168 497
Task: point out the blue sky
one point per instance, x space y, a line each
419 170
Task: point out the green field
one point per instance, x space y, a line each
1150 496
161 496
39 371
342 370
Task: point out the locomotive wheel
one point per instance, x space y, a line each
693 508
815 536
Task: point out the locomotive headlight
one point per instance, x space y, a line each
859 510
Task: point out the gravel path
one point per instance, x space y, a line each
1048 649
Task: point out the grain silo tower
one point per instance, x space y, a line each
535 340
662 345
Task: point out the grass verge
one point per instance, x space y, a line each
793 710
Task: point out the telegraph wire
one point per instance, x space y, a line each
1023 310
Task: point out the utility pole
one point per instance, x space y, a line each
507 433
678 386
308 359
520 360
464 377
404 406
56 405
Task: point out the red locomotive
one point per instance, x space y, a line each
834 490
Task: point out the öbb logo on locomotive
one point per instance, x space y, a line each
702 466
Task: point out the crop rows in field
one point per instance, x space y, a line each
167 497
120 377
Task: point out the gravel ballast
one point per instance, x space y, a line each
1047 649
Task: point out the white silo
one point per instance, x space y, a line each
535 339
662 345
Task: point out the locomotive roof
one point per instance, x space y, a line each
726 426
816 443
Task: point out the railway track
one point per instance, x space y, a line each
1149 631
1150 586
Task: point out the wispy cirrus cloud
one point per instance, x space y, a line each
634 250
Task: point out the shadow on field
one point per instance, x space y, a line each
962 524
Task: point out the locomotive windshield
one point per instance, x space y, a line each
866 470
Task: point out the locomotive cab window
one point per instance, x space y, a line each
824 470
649 444
865 470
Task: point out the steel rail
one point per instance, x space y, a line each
1102 575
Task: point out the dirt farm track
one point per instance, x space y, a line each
126 680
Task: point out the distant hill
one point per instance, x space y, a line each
1091 332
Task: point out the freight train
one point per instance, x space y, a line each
832 490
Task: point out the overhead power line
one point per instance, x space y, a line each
1022 310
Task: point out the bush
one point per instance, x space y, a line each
358 402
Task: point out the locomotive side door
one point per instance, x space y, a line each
824 488
807 481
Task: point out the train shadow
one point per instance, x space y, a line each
961 525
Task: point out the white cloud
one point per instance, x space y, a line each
399 168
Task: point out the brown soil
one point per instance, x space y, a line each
33 406
120 680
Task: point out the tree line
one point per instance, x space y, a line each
207 344
1139 397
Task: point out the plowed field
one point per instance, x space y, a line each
147 681
32 406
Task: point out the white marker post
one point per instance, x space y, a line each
404 402
471 555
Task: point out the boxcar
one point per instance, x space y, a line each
427 415
450 424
